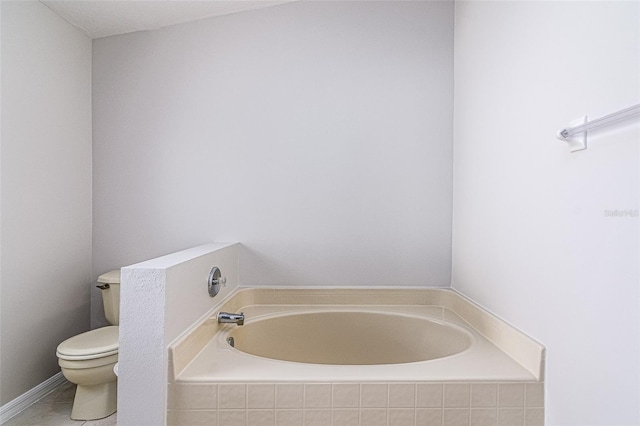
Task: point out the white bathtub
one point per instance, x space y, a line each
348 337
298 341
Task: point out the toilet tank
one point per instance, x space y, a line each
109 284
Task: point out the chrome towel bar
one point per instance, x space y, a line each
576 135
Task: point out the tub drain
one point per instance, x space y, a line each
231 342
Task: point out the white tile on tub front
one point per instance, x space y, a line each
534 417
373 417
402 416
402 395
231 417
289 395
261 395
429 395
346 417
317 417
261 418
534 395
289 417
232 396
484 417
192 396
511 395
510 416
457 395
429 417
317 395
484 395
346 395
192 418
455 417
175 395
374 395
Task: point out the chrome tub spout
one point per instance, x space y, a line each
227 318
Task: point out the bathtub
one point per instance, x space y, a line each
348 337
355 356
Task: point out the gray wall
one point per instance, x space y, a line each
317 134
531 237
45 192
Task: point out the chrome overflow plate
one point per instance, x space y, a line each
215 280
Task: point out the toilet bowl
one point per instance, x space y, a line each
88 359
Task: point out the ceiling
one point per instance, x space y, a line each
105 18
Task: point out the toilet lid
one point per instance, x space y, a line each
96 343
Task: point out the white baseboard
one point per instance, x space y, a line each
24 401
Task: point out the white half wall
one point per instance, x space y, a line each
45 192
318 134
532 237
160 299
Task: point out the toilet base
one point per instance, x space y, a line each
94 402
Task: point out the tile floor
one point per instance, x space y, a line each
54 410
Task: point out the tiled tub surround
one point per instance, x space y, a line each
498 381
357 404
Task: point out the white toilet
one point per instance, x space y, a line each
88 359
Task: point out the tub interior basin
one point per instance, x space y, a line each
349 338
